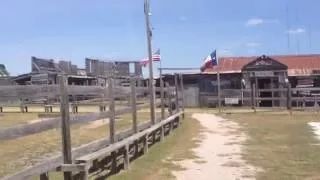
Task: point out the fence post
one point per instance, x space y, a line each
162 95
134 104
44 176
111 110
182 94
289 98
253 96
65 125
177 92
219 90
22 106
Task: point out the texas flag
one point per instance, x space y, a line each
210 61
155 57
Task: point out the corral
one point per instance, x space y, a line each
126 141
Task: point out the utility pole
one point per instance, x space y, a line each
151 87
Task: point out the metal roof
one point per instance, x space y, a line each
298 65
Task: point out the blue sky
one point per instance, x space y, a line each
185 30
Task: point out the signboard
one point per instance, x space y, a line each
264 73
231 101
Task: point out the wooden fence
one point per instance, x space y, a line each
290 98
109 154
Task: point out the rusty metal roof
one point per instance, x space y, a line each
298 65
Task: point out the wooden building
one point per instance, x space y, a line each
240 75
46 71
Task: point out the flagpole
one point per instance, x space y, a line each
151 86
219 83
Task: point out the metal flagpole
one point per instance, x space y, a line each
151 85
219 83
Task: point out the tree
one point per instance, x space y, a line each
3 71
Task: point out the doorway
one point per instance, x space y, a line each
265 83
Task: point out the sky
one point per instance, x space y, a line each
186 31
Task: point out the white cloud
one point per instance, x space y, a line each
254 21
183 18
253 44
259 21
225 52
296 31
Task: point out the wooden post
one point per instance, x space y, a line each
151 85
22 106
256 94
169 94
177 92
162 133
44 176
145 142
134 105
162 96
219 90
254 98
84 175
126 160
182 94
289 98
111 111
65 126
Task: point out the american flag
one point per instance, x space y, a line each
155 57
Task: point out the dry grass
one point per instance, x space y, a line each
282 145
10 119
25 151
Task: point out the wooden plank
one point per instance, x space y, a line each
72 167
134 104
65 125
112 111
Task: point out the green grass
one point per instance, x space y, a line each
282 145
159 162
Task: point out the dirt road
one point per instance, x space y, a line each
220 152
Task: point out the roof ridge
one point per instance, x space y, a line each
272 56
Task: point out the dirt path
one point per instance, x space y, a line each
220 153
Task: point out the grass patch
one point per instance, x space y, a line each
281 145
159 162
